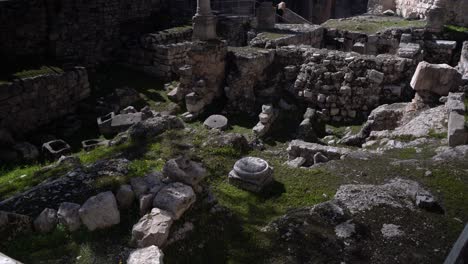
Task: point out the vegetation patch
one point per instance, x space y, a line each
456 28
372 24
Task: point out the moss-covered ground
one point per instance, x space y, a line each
372 24
234 234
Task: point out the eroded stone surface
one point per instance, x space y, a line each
152 229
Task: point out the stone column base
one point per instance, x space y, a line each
204 27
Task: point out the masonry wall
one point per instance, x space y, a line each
29 103
69 30
161 54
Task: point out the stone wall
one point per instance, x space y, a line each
26 104
74 30
344 86
319 11
161 54
234 29
347 86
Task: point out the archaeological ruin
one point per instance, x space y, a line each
233 131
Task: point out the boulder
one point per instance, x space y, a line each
12 224
234 140
175 198
438 79
122 122
152 127
100 211
46 221
216 122
148 255
125 196
457 133
299 148
4 259
152 229
251 174
68 215
184 170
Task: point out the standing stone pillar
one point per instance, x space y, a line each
204 22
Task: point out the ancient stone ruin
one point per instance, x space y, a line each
233 131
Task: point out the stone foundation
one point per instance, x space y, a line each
29 103
161 54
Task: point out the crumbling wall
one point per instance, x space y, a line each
455 10
29 103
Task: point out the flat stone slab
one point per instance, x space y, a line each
123 121
216 122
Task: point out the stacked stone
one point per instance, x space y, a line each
386 41
267 117
347 87
161 54
29 103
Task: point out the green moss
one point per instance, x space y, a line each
434 134
19 179
88 157
372 24
456 28
273 35
36 72
340 131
